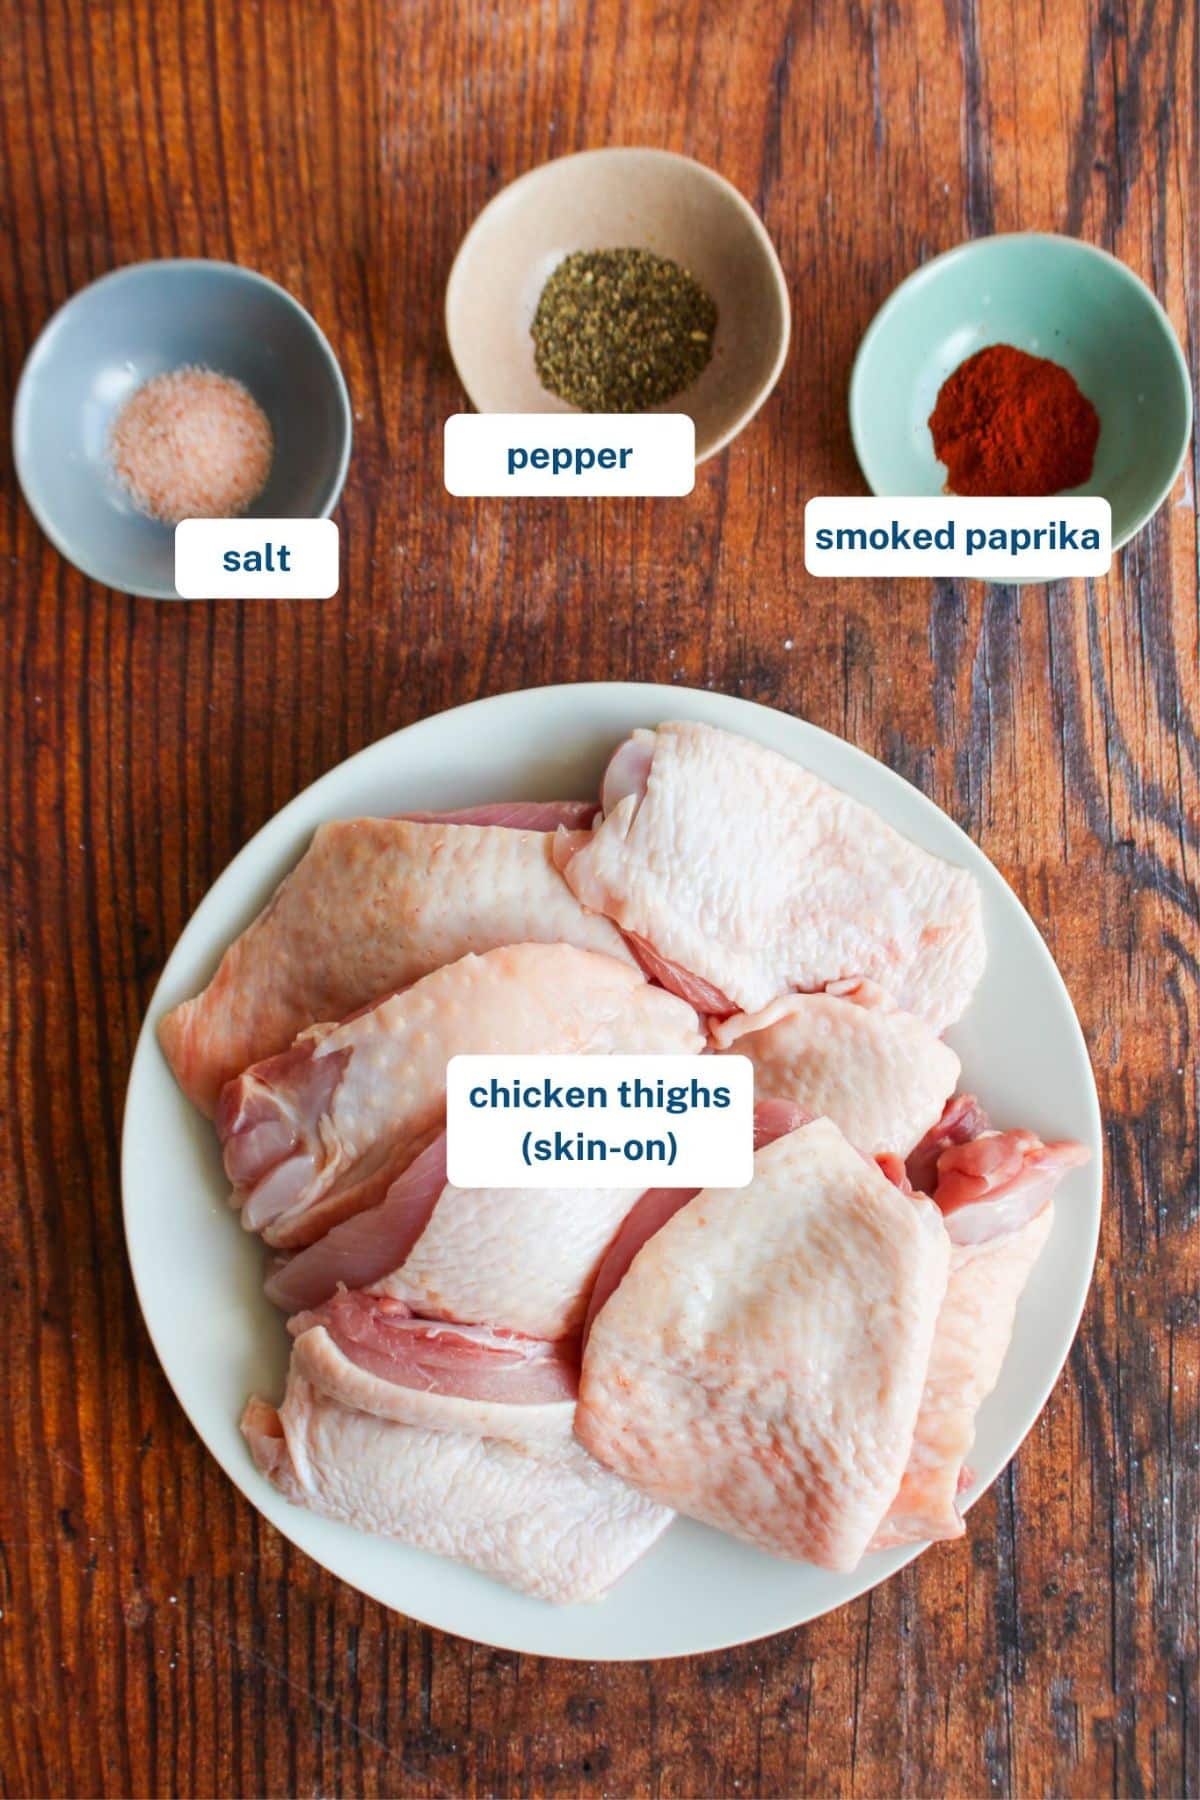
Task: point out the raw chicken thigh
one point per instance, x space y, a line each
517 815
739 876
761 1364
772 1119
969 1345
1013 1172
535 1511
373 905
520 1258
882 1075
322 1131
375 1354
962 1119
367 1246
997 1197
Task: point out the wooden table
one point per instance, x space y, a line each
157 1637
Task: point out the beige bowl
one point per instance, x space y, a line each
611 200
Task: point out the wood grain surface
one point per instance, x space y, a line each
156 1636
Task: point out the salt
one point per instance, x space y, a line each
192 444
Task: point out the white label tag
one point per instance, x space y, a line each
570 453
256 559
993 540
600 1121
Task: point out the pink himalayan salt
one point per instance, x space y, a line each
192 444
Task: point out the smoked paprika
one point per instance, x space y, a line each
1013 424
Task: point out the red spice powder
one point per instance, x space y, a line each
1013 424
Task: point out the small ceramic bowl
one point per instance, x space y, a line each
129 326
614 200
1055 297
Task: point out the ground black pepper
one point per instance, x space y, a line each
621 330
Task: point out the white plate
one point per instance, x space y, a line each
198 1273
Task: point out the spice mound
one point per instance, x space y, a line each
192 444
621 330
1012 424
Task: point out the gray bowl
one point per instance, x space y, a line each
131 325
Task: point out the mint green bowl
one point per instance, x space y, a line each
1053 296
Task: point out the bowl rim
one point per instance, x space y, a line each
191 265
617 152
1074 246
